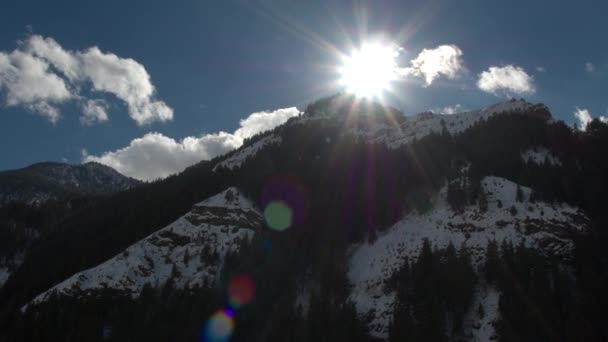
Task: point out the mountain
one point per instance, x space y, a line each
349 222
35 198
42 182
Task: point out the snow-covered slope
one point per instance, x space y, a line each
423 124
542 225
240 156
377 124
189 251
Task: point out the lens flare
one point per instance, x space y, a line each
241 291
278 215
220 326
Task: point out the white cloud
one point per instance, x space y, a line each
589 67
583 116
444 60
449 110
540 69
508 79
26 75
27 81
156 156
126 79
94 111
261 121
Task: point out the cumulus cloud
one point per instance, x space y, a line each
508 79
583 118
261 121
444 60
156 156
28 79
449 110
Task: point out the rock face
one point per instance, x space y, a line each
41 182
190 251
545 226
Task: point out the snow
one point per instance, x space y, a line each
483 329
212 226
4 274
541 225
240 156
393 135
423 124
420 125
540 155
8 265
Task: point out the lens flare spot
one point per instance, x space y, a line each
241 291
278 215
267 244
219 327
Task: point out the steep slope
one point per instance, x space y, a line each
42 182
544 226
189 251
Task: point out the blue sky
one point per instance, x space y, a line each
212 64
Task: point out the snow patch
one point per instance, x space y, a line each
540 155
482 329
4 274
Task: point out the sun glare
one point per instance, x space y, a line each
369 71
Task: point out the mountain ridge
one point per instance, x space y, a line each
41 182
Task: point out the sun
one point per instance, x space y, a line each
370 70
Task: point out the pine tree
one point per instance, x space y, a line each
186 257
519 194
492 265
